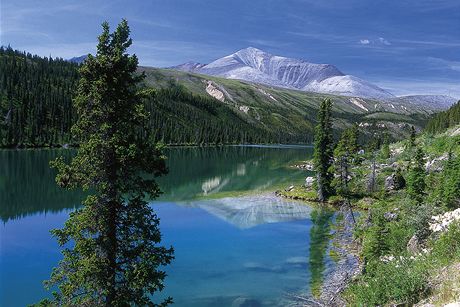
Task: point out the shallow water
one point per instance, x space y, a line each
234 241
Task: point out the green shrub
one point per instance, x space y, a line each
401 282
447 247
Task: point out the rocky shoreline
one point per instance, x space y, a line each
347 267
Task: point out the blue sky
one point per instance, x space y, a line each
406 46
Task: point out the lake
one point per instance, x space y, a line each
236 243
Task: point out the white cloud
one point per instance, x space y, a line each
375 42
384 41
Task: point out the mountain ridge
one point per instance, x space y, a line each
257 66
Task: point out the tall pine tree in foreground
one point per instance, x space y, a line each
323 151
111 251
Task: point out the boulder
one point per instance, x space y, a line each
413 246
309 182
436 165
390 183
390 216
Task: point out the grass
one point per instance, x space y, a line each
301 193
334 255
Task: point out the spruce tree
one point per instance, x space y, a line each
416 177
111 251
385 151
450 182
413 136
345 154
323 150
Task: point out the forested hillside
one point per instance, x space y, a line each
180 117
35 99
36 107
444 120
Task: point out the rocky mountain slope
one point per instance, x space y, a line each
254 65
432 102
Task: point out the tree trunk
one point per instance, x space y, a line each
320 187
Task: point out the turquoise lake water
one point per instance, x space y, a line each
235 242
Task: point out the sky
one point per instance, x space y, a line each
404 46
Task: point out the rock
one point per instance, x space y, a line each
413 246
395 181
309 182
213 91
390 216
390 183
307 166
245 302
435 165
442 222
290 188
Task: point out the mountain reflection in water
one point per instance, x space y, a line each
249 211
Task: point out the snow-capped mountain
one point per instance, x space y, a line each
254 65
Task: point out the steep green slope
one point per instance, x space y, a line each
292 111
444 120
35 98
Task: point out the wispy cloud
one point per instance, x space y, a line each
333 38
383 41
268 43
429 43
375 42
438 63
430 5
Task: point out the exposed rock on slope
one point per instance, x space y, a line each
213 91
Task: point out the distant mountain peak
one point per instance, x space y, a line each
79 59
258 66
189 66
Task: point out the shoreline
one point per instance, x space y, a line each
348 265
75 146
